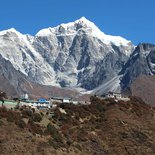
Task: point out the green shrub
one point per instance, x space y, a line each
56 137
21 124
53 143
100 107
13 116
78 147
3 112
69 142
37 117
27 113
10 117
51 129
34 128
82 135
1 123
139 136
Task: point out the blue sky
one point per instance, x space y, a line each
132 19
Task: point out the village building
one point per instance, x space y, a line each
61 99
40 104
116 96
24 97
113 95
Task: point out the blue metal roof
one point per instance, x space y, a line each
42 100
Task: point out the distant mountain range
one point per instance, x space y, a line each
76 55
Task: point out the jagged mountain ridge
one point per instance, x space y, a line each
141 62
76 55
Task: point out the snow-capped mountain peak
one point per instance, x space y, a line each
83 25
13 33
75 54
72 28
84 20
96 32
9 30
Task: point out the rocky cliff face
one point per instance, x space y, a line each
75 55
141 62
81 54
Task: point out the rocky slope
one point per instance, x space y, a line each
16 83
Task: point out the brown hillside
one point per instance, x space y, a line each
144 87
104 127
